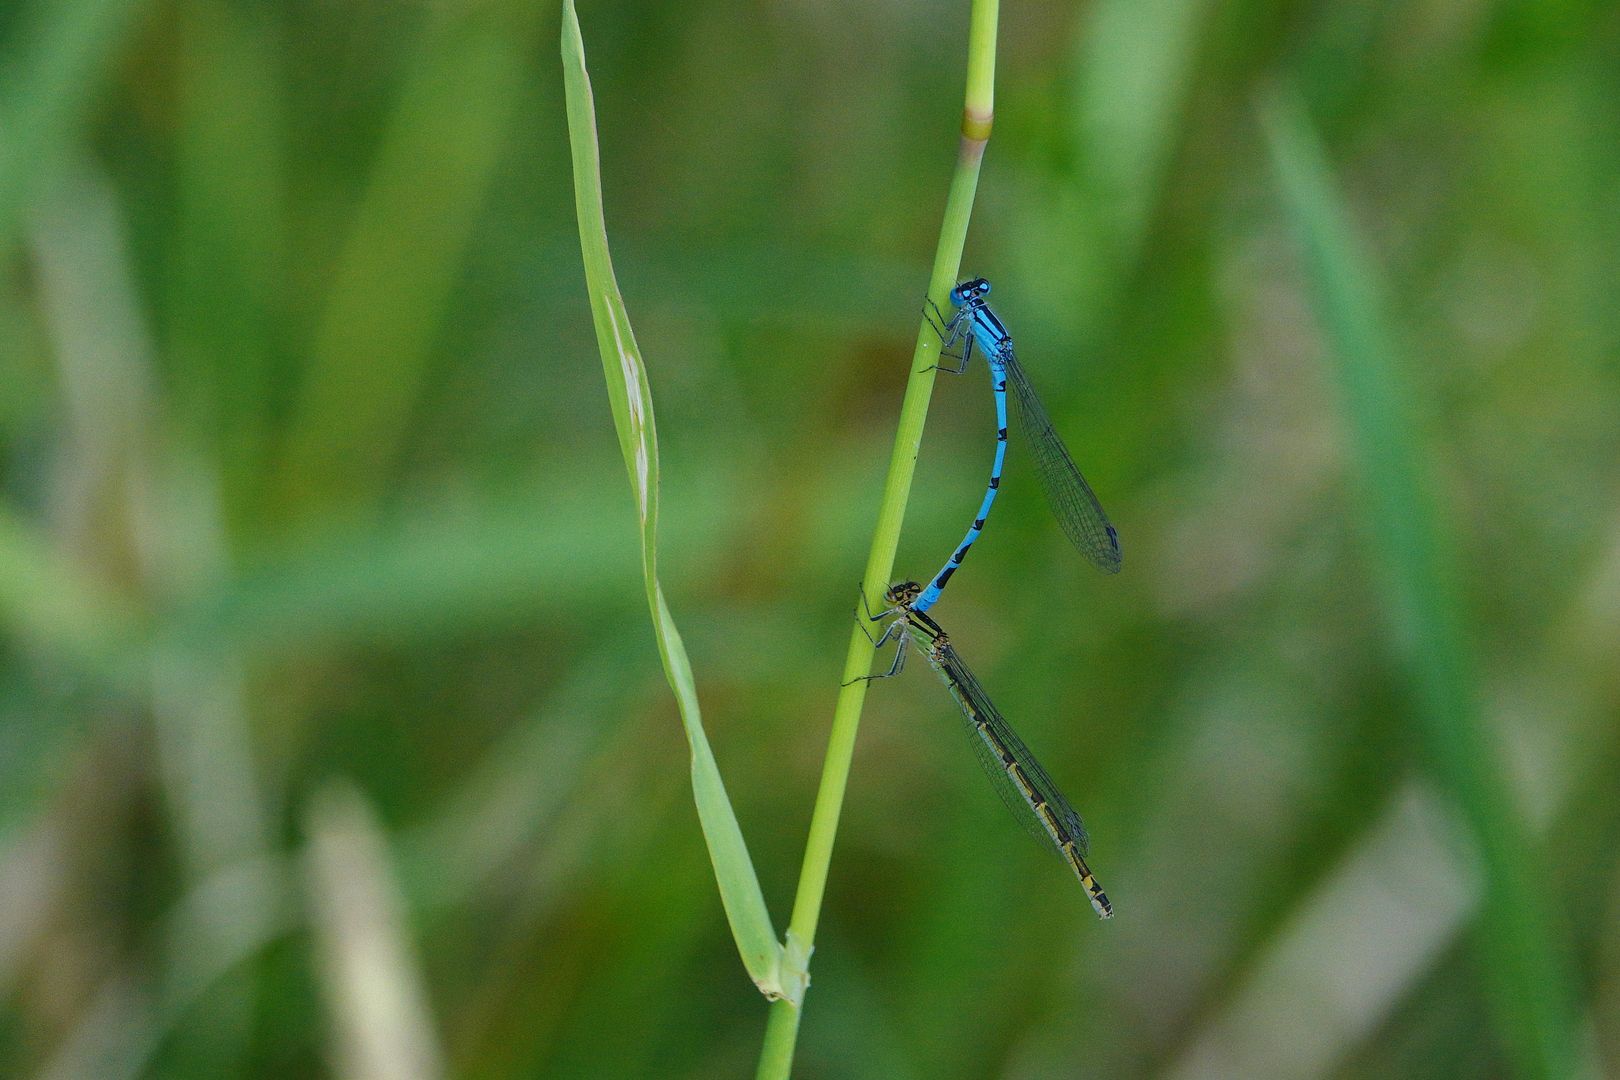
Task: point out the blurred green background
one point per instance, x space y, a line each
333 738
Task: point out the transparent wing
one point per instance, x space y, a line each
1074 504
976 708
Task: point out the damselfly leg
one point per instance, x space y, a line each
899 598
950 330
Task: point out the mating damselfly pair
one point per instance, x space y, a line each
1018 778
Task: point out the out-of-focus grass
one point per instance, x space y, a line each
392 518
367 968
1519 942
392 278
57 56
229 264
48 604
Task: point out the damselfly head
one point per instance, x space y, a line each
976 289
903 593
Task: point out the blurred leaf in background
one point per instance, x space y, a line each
314 541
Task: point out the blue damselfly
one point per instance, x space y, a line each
1073 502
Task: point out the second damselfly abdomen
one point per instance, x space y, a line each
1011 767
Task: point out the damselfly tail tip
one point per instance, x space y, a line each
1099 899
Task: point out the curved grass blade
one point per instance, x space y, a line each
1074 504
638 439
1527 976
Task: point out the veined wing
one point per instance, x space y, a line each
1074 504
1010 766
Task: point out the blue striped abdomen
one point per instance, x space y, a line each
998 386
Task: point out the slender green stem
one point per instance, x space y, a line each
781 1032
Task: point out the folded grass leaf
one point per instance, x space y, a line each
638 439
